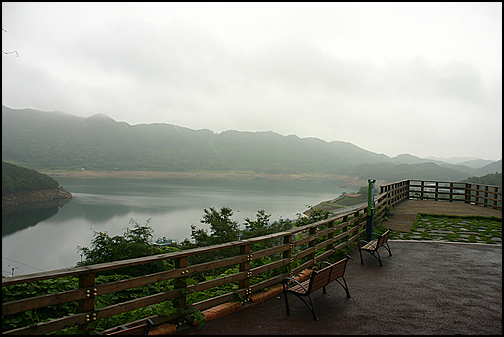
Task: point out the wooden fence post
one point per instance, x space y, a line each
180 283
87 305
311 243
330 236
245 266
495 197
287 254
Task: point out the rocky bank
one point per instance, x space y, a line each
23 200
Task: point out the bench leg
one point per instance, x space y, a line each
148 325
360 253
309 305
315 317
388 248
379 259
286 304
344 286
375 254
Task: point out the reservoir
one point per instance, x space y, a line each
42 240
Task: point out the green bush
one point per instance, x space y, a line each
132 244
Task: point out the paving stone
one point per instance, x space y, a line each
441 231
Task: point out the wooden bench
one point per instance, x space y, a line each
318 279
142 329
373 246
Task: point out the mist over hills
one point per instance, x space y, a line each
467 161
60 141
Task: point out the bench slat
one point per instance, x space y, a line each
338 270
372 245
323 278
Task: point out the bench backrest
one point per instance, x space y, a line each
383 239
323 277
319 278
338 269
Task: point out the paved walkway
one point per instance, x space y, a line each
423 288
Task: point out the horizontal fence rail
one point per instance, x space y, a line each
477 194
287 254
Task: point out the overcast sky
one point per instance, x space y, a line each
392 78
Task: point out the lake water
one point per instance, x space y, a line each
44 240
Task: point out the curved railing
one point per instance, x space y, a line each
289 252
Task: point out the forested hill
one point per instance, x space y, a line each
50 140
55 140
17 179
25 189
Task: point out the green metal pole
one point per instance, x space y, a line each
370 210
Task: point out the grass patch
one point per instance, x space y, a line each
453 228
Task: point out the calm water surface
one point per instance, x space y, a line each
48 239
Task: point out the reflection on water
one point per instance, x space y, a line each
48 239
16 221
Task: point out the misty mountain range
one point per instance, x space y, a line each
60 141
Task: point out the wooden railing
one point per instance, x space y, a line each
290 252
477 194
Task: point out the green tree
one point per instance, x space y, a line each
222 227
259 227
314 216
132 244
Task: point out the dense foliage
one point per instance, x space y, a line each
494 179
16 178
136 241
133 243
31 289
222 227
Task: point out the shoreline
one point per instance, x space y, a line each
38 199
349 181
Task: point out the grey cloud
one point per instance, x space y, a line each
254 73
